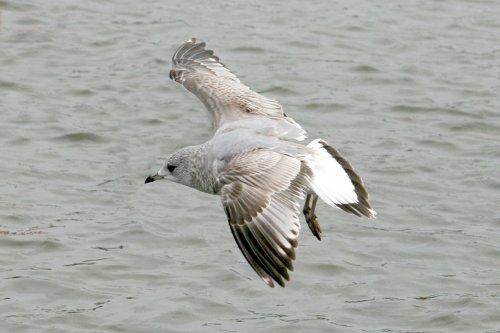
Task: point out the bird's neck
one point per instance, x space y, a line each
204 169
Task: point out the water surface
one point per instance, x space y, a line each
407 91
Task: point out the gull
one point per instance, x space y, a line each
256 163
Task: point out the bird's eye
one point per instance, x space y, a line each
171 168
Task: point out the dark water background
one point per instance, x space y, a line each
407 90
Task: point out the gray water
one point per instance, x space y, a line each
408 91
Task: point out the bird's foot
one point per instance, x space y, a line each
312 222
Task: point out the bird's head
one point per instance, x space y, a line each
176 168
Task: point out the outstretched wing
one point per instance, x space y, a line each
225 97
260 190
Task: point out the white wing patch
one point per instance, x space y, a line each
336 182
330 181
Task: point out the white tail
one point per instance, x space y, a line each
335 181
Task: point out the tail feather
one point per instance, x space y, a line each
336 182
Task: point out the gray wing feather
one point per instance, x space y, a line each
222 93
259 191
192 57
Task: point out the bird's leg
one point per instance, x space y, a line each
306 210
311 219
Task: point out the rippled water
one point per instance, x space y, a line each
408 91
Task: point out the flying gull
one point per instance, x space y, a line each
258 166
